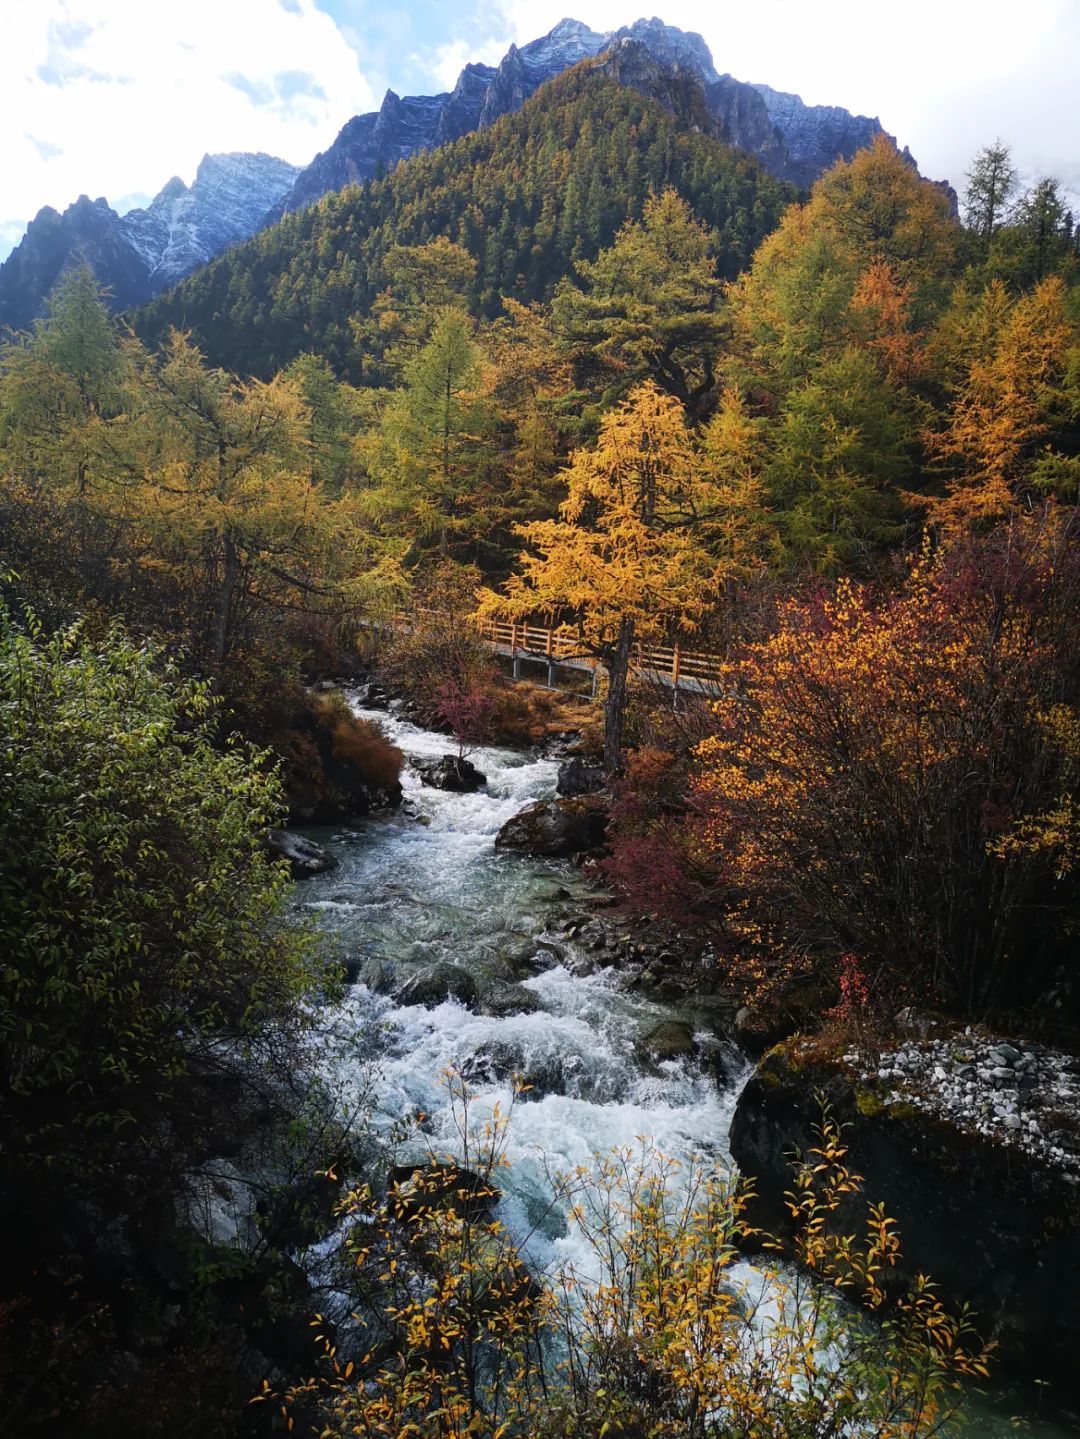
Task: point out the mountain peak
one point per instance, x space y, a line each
235 193
793 141
569 26
668 43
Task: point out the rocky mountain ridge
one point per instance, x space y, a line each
792 140
139 254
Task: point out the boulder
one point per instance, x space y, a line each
670 1039
450 772
505 999
416 1188
556 828
502 1060
371 696
379 974
995 1230
430 986
304 855
579 776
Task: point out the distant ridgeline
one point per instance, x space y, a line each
527 197
138 255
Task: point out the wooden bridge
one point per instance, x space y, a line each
527 644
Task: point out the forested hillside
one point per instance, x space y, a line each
525 199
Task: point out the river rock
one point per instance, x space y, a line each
450 772
556 828
505 999
379 974
994 1230
430 986
416 1188
670 1039
304 855
371 696
579 776
502 1060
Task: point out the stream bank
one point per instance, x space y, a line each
498 964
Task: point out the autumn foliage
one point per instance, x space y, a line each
891 775
655 1330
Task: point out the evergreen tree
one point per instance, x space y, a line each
649 308
426 455
991 185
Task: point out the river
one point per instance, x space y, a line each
427 885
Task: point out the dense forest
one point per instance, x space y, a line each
590 368
525 199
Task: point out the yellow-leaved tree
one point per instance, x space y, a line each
1007 433
629 559
221 496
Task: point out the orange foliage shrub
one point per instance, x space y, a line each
358 743
880 764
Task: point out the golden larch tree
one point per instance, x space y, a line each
628 560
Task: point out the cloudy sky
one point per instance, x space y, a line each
113 97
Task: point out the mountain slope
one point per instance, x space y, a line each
526 197
234 196
143 252
793 141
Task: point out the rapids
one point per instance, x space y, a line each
426 885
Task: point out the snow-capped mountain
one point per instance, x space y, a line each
234 195
793 141
184 226
145 251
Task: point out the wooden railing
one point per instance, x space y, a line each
671 663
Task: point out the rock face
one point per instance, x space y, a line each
814 135
184 227
234 195
304 855
579 776
995 1228
556 828
793 141
88 231
450 772
143 252
429 987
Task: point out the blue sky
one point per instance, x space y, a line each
113 97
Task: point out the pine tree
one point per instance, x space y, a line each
649 307
991 185
426 454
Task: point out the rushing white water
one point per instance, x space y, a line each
427 886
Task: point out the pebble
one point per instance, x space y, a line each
1028 1098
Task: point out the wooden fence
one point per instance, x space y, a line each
672 664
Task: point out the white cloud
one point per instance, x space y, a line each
944 76
448 61
111 97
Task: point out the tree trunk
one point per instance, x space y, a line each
230 573
615 707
